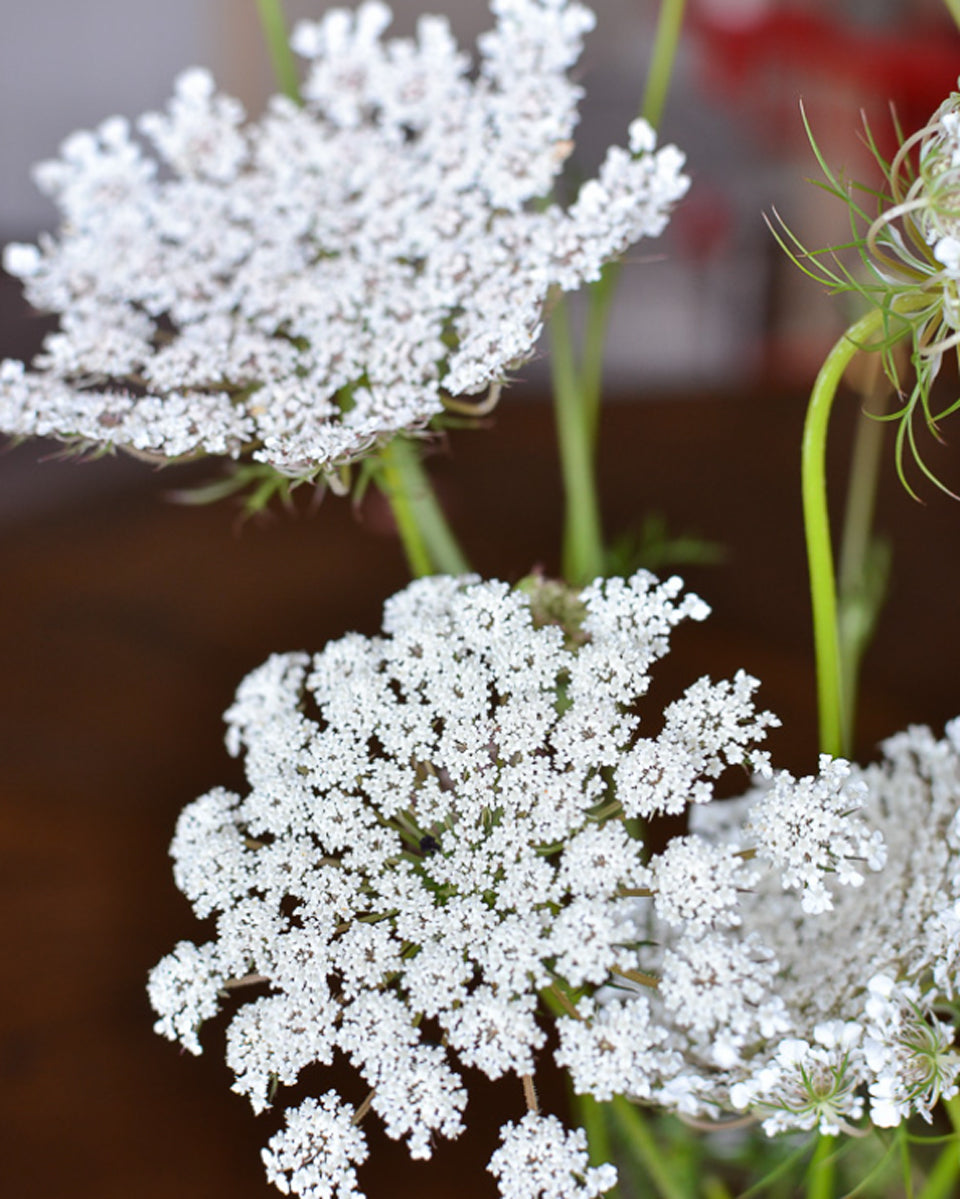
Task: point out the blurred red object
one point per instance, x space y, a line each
767 59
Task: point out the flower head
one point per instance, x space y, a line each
539 1159
438 855
303 287
869 1033
905 245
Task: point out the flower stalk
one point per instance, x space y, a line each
636 1132
428 541
666 41
833 702
277 38
583 536
577 386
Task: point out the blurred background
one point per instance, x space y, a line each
126 622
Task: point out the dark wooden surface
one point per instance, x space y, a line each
126 624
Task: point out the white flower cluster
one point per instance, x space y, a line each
306 286
439 852
866 982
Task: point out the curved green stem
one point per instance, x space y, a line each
428 542
278 44
834 735
953 7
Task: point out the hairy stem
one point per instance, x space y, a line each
278 45
428 542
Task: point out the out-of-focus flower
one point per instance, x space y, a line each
303 287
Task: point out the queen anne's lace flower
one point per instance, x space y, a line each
539 1159
861 970
305 286
315 1154
437 854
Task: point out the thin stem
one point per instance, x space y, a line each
821 1173
278 44
592 1118
594 346
430 546
953 7
644 1145
665 42
583 536
577 391
942 1180
248 980
363 1108
816 521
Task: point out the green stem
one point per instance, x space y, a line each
278 44
577 391
592 1118
953 7
430 546
821 1173
816 521
582 534
863 559
594 345
942 1180
644 1146
665 42
662 60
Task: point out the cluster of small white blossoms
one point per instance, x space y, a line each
305 286
870 984
439 855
